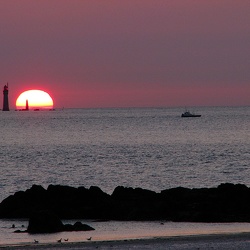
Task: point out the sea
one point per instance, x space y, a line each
151 148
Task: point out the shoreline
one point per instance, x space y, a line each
216 241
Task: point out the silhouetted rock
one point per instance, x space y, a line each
23 204
78 226
44 222
20 231
48 222
134 203
226 203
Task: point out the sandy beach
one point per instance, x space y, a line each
214 241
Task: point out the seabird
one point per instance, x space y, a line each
89 238
60 240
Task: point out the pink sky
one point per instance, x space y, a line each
131 53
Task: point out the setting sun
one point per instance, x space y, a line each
34 99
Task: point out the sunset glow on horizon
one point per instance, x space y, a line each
37 99
97 54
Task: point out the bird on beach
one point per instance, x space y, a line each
66 239
36 241
89 238
60 240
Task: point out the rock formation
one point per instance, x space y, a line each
226 203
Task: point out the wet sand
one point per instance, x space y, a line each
212 241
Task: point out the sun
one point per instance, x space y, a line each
34 99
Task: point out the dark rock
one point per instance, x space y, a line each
66 202
132 194
48 222
23 204
68 227
44 222
20 231
78 226
134 203
226 203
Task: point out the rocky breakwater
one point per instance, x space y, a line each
225 203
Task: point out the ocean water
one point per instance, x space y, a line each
152 148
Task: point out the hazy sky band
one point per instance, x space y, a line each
127 53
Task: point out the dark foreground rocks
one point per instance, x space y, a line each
226 203
48 222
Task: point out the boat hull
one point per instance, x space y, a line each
190 115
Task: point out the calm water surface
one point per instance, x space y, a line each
152 148
149 148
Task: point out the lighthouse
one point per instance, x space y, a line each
27 105
5 98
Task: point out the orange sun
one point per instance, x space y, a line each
34 99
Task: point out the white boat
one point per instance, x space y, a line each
189 114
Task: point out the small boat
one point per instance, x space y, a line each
188 114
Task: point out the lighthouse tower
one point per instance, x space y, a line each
27 105
5 98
